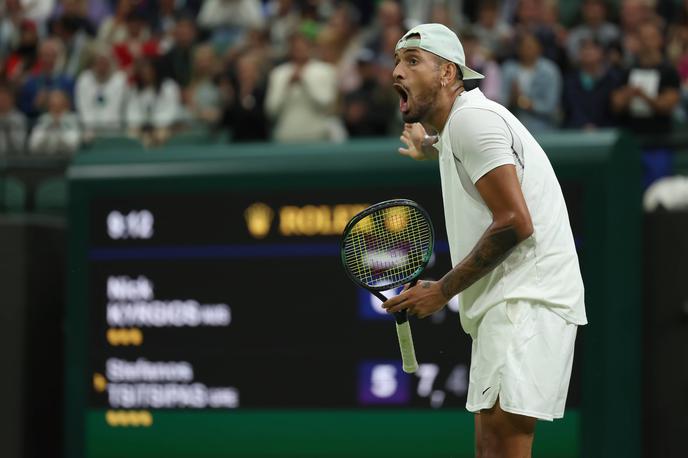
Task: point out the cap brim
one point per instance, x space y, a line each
469 74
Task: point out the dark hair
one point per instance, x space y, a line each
157 72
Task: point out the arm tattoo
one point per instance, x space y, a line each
492 248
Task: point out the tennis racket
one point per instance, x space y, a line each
385 246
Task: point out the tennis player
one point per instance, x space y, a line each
515 265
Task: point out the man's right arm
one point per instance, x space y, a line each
419 145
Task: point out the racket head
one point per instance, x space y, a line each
387 245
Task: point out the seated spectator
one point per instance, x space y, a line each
92 11
538 17
370 109
38 11
632 15
595 26
166 24
75 13
23 57
588 89
57 131
389 15
494 34
301 96
178 61
153 105
45 76
137 44
244 109
283 20
479 59
114 28
76 42
12 124
229 20
100 95
11 18
531 86
203 95
650 91
339 41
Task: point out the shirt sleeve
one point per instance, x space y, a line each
481 140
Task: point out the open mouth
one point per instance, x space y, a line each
403 97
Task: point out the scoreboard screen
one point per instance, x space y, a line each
233 301
209 314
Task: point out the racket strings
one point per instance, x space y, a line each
388 246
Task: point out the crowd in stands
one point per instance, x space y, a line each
75 71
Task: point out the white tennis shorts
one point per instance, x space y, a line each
522 353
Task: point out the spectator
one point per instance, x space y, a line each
339 41
75 12
114 29
283 20
11 18
153 105
370 109
633 14
595 26
588 89
538 17
244 112
255 42
76 42
204 103
301 95
165 26
100 94
436 11
531 86
479 59
178 61
650 90
57 131
38 11
12 124
229 20
389 16
94 11
23 56
494 34
137 44
45 76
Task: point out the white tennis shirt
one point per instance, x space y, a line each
480 135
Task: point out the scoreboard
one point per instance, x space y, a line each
226 300
209 315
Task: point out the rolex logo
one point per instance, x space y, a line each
259 219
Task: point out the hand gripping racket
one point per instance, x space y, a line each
385 246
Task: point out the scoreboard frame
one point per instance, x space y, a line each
605 165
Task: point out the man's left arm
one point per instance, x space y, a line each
511 224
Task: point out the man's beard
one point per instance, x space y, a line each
422 106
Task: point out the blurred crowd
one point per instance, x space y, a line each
75 71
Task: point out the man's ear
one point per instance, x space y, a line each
448 73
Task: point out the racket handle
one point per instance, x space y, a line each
408 353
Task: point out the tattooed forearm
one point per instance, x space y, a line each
492 248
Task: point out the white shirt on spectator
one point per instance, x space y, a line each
55 135
12 133
101 105
243 13
159 109
302 109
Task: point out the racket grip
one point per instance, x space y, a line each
408 353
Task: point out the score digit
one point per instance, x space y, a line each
137 224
